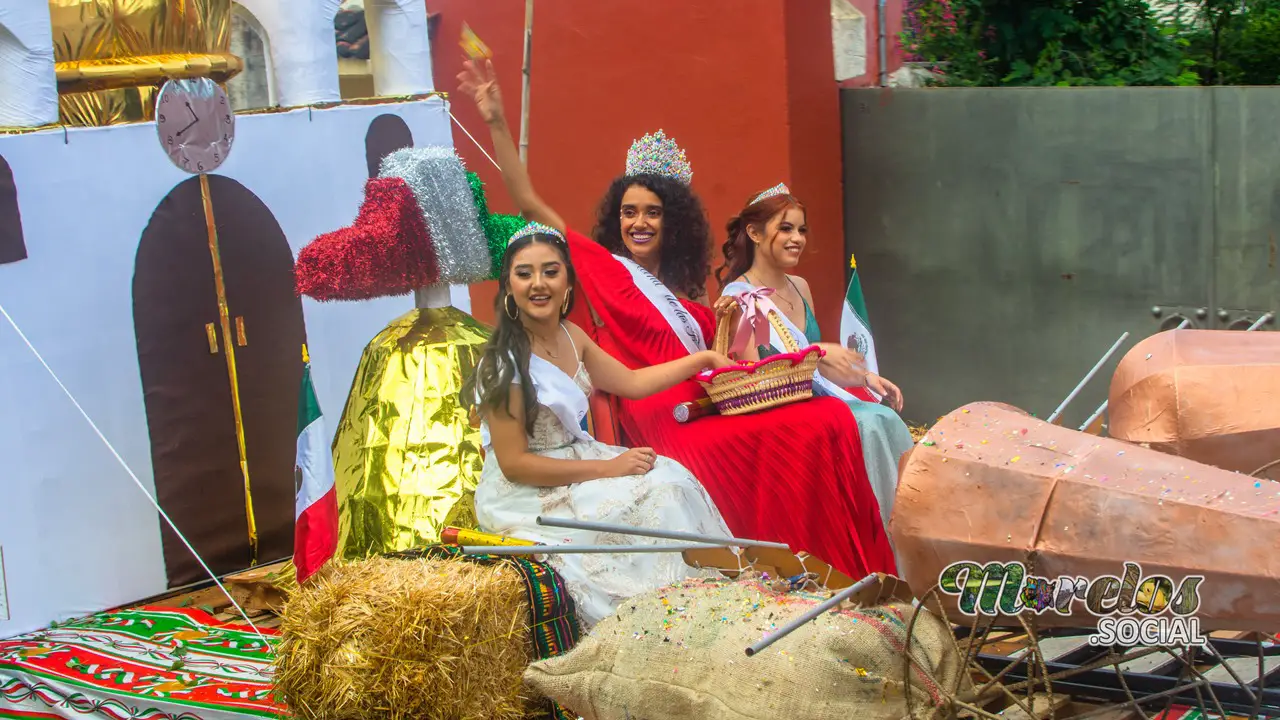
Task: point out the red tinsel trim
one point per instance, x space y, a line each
386 252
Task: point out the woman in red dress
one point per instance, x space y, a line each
790 474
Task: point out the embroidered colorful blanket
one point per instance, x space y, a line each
150 663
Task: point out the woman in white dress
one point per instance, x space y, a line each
530 389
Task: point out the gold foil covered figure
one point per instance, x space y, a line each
406 456
112 54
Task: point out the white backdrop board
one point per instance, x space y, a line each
78 536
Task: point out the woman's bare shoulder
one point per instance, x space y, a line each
803 286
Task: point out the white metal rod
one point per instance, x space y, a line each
794 625
576 549
1080 386
1260 321
1101 409
654 533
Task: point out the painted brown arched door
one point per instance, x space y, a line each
185 378
387 133
12 246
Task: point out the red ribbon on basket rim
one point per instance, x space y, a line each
755 305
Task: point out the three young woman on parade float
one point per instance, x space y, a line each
796 473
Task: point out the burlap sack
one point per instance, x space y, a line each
680 653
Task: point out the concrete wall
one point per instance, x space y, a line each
1005 238
746 87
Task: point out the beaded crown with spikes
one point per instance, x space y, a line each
779 189
536 228
657 154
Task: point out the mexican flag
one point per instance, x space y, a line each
315 537
855 328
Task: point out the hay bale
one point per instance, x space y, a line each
917 431
390 638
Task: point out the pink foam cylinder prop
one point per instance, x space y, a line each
989 483
1208 395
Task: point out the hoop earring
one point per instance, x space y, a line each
564 306
512 310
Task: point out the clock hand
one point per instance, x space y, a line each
193 113
188 127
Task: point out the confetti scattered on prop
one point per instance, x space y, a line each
1072 504
679 653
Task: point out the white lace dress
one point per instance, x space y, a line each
667 498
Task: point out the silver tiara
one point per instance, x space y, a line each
657 154
536 228
779 189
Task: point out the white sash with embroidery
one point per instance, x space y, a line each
684 326
558 393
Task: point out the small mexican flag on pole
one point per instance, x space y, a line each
315 537
855 327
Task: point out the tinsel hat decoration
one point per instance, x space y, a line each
424 222
498 228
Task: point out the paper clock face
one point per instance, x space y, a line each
195 124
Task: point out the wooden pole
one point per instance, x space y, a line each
524 90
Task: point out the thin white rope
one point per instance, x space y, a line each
473 139
129 470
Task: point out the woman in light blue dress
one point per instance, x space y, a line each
765 241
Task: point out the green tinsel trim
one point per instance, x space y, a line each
498 228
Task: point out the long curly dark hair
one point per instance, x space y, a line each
684 260
738 251
489 385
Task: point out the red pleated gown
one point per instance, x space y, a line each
791 474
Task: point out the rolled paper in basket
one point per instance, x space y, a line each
756 306
458 536
694 409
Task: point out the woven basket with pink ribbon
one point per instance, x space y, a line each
752 386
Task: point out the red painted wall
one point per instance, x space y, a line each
893 45
747 88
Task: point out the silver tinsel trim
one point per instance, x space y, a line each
439 182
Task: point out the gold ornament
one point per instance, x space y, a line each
406 456
111 55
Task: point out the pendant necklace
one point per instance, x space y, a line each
776 292
545 348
